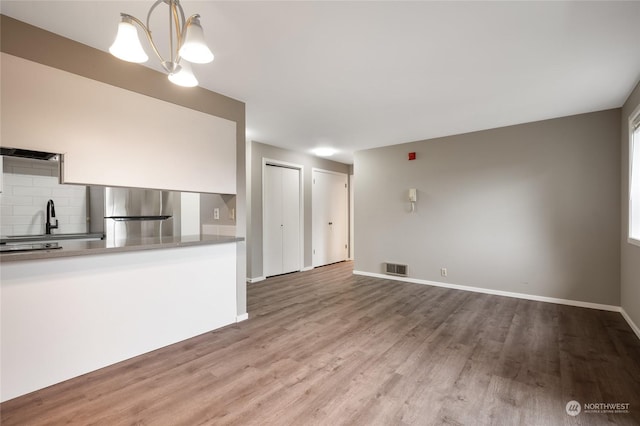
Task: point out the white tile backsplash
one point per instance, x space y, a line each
26 210
69 191
44 181
28 190
24 199
17 180
25 230
77 220
12 200
25 166
20 220
6 210
31 171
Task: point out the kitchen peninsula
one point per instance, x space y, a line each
70 311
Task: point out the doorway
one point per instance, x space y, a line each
330 214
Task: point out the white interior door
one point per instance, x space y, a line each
272 221
330 215
281 220
319 219
291 220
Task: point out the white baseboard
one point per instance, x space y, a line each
306 268
496 292
243 317
255 280
633 325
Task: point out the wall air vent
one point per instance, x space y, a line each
395 269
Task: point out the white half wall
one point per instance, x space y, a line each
65 317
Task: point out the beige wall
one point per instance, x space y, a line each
259 151
532 208
34 44
630 259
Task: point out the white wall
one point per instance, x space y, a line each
112 136
532 208
64 317
27 186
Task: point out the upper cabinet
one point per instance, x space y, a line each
112 136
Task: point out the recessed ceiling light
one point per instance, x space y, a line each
324 151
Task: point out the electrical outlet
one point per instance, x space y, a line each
216 213
443 272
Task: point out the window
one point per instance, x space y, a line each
634 178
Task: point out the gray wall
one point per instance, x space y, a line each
226 203
258 151
532 208
630 264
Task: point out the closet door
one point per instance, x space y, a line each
330 215
281 226
272 222
338 235
290 220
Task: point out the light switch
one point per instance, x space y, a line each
216 213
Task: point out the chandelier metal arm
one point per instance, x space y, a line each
178 22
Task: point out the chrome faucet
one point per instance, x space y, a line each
51 213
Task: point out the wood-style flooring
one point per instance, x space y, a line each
326 347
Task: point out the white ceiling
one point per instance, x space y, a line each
357 75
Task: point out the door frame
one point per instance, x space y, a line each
313 236
277 163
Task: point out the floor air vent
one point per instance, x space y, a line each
396 269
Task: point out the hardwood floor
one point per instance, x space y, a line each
326 347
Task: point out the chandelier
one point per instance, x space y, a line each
186 43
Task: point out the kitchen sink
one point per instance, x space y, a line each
11 248
12 239
19 237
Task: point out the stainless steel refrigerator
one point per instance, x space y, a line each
132 213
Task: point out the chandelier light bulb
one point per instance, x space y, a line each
184 76
127 44
194 48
